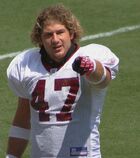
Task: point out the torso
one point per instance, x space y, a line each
65 108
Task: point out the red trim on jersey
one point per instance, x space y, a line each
109 71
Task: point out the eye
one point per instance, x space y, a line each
47 34
59 32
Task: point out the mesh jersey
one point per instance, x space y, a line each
65 107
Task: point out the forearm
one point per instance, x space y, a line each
100 77
16 146
19 133
18 140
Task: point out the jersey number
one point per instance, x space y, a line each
39 104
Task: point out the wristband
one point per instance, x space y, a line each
19 132
102 79
94 65
10 156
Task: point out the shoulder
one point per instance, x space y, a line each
21 61
102 54
27 54
95 49
18 70
24 57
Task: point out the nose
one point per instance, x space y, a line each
55 38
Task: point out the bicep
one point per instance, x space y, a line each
22 115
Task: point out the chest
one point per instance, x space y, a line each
55 95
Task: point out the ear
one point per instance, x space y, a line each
72 36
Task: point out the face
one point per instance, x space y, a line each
56 40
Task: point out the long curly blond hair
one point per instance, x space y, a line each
58 13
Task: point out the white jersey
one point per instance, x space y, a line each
65 107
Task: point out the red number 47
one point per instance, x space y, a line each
39 104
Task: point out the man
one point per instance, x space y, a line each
61 89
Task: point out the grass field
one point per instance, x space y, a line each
120 127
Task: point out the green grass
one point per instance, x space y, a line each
120 129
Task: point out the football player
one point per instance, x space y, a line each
61 89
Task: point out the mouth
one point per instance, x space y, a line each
57 48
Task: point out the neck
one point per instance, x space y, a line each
47 60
